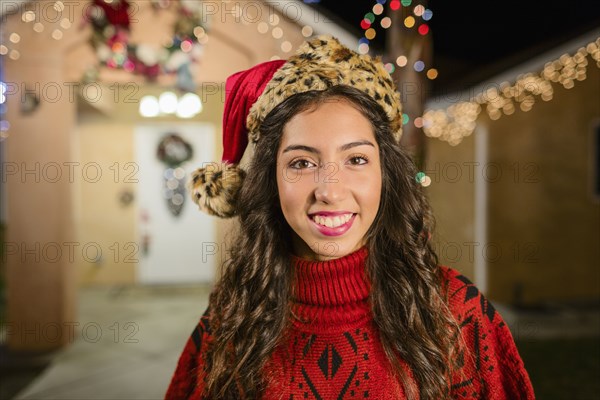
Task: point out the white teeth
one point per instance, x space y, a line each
332 222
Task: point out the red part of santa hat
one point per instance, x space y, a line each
242 89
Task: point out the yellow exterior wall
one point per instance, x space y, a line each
543 223
452 197
106 143
542 213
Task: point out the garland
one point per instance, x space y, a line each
110 20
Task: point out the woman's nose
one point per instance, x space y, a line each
330 187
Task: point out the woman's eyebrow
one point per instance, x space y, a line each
343 147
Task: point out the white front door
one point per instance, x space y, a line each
171 246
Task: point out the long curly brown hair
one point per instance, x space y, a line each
250 306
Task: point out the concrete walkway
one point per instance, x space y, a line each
126 345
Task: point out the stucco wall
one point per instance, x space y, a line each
543 223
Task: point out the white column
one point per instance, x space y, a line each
481 206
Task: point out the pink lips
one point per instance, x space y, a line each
338 230
329 213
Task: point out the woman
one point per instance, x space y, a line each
333 290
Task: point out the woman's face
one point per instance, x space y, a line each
329 179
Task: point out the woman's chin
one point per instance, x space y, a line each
330 250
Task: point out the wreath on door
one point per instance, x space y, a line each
174 151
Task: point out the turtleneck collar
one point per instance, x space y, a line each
331 291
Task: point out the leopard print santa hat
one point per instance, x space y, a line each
318 64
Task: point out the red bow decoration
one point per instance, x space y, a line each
116 12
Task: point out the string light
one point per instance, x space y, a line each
262 27
65 23
405 119
423 179
10 46
419 10
57 34
367 24
432 73
307 31
4 124
274 19
277 32
419 66
458 120
273 24
401 61
286 46
199 32
59 6
28 16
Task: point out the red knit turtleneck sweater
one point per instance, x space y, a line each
332 349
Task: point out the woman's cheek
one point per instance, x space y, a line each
291 190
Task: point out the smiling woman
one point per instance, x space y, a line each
333 290
329 190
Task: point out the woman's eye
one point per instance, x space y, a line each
358 160
300 164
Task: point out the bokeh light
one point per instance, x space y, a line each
420 176
307 30
418 10
405 119
401 61
432 73
286 46
277 32
262 27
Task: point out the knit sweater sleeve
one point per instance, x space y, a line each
187 382
489 364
